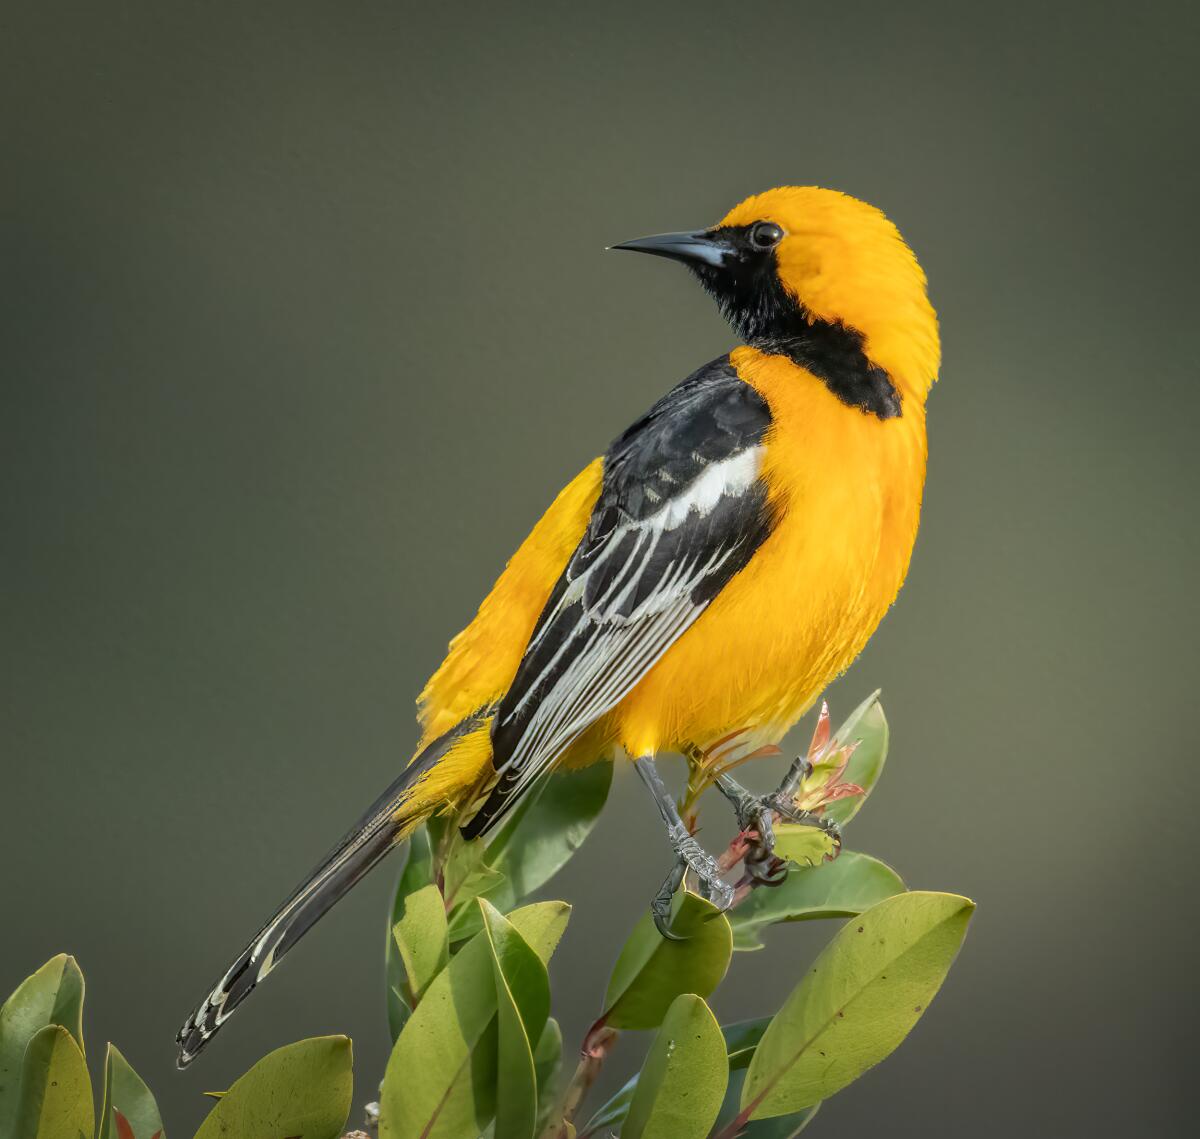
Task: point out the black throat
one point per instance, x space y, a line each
752 298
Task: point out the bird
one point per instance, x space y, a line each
724 560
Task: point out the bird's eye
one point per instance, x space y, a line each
765 235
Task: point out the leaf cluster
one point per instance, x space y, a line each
46 1091
476 1052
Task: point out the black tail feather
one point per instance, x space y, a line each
358 852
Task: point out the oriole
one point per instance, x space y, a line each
724 559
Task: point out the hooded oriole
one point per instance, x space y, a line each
711 572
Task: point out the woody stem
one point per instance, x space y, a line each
592 1054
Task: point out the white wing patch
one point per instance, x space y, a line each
620 648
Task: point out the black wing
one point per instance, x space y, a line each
681 510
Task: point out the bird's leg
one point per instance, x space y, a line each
757 813
689 855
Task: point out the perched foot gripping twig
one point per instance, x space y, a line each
689 855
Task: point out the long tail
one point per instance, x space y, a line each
387 822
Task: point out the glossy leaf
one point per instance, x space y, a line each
467 875
523 1004
399 1010
542 834
52 995
547 1064
652 971
542 925
55 1100
857 1003
545 830
682 1082
302 1089
126 1098
440 1081
420 935
804 846
417 872
867 727
612 1113
780 1127
852 883
741 1039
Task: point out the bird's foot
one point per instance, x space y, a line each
689 855
756 816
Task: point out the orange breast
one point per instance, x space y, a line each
846 488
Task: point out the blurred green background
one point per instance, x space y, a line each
306 316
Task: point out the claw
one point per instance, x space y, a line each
660 907
691 856
662 920
767 871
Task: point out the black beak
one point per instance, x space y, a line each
699 247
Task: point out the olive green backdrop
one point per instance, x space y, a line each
306 315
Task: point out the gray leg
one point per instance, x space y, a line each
689 854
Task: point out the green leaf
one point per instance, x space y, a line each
542 834
542 925
399 1010
125 1092
418 872
858 1002
467 875
303 1089
545 830
612 1113
852 883
56 1095
682 1082
440 1081
547 1064
741 1039
803 846
652 971
523 1005
780 1127
523 972
868 726
52 995
421 938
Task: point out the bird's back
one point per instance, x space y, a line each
845 489
845 493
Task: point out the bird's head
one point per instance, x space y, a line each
790 263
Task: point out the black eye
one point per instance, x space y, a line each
765 235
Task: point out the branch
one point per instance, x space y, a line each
592 1054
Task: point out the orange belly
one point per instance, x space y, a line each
846 488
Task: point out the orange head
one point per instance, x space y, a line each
799 269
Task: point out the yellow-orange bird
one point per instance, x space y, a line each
711 572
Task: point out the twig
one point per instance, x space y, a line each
592 1054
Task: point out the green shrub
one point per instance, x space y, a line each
476 1052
